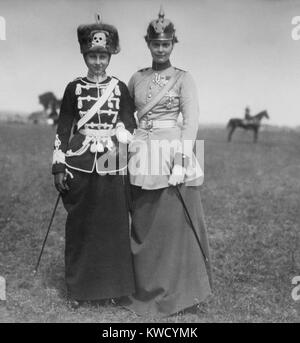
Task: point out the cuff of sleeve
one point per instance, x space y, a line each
58 163
58 168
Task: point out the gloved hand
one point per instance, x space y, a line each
123 135
60 182
177 175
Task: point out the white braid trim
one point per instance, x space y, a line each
67 171
58 156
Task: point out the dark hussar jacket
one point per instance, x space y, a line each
86 152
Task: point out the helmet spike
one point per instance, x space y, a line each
98 18
161 13
161 29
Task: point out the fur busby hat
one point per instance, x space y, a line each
161 29
98 37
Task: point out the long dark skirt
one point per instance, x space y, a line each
98 262
170 270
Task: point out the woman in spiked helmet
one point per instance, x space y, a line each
89 163
169 239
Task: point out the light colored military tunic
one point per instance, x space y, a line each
147 169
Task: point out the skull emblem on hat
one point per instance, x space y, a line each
99 39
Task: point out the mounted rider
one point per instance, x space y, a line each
248 117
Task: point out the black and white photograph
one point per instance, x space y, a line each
150 163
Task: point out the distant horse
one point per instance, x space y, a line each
247 124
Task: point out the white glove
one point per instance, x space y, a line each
123 135
177 176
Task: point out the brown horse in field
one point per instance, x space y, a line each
253 123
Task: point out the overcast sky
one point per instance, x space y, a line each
240 52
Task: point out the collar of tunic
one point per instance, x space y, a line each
161 66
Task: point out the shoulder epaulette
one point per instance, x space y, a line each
180 69
144 69
77 78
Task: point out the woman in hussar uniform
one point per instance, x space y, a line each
171 261
89 171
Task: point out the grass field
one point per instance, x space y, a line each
251 198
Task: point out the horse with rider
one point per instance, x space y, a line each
249 122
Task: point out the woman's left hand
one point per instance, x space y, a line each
177 176
123 135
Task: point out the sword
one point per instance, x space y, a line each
45 239
177 190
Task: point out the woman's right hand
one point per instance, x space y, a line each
60 182
177 175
